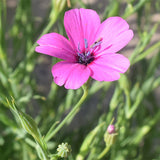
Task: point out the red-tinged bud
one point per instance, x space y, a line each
111 129
110 135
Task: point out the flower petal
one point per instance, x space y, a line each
108 66
55 45
81 24
121 41
115 34
72 75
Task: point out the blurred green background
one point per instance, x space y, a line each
26 76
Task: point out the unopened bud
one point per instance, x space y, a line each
64 150
111 129
110 135
59 5
27 122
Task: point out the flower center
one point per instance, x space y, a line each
87 56
85 59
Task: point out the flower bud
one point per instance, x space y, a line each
110 135
59 5
64 150
28 124
111 129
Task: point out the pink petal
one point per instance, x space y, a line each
121 41
55 45
108 66
81 24
115 34
71 75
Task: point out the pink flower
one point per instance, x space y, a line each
90 50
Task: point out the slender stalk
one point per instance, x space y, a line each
70 115
147 52
43 153
104 152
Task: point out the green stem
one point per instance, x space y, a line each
104 152
43 153
70 115
147 52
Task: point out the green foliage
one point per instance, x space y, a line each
28 120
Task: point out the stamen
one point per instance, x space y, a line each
96 43
79 54
85 43
79 47
88 53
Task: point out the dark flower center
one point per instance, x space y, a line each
85 59
87 56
